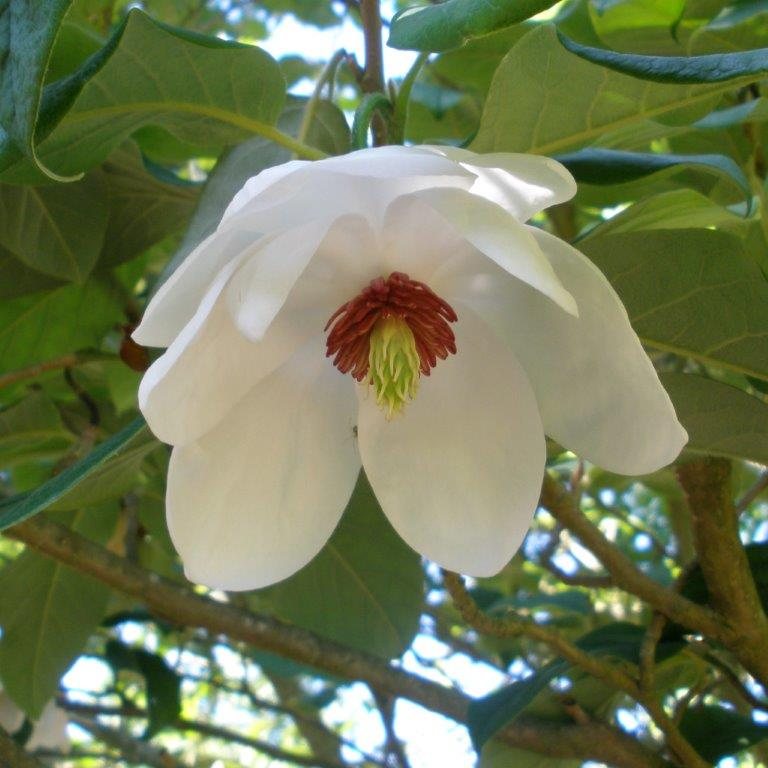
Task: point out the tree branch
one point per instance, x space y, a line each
182 606
625 575
723 561
12 755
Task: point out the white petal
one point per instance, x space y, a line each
211 364
522 184
598 392
256 498
283 197
50 731
459 473
499 236
178 298
260 287
11 716
265 181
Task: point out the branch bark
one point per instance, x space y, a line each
625 575
723 561
182 606
12 755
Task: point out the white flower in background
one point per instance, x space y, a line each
48 732
388 308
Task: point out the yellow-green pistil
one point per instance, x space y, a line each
393 364
394 331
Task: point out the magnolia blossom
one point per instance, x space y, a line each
388 309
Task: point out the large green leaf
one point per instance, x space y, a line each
638 25
544 99
676 209
716 732
720 419
452 23
57 229
328 131
693 292
163 685
16 509
27 31
47 612
620 640
595 165
710 68
19 279
364 589
40 326
203 90
143 209
32 429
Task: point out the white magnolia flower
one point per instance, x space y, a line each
388 308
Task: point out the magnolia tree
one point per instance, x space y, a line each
355 417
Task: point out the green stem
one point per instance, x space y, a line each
404 96
328 75
369 105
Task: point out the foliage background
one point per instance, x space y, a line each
126 128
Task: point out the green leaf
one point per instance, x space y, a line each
619 640
40 326
163 685
48 612
693 292
110 480
143 209
676 209
57 230
544 100
452 23
203 90
32 429
711 68
720 419
638 25
19 279
364 589
328 131
27 31
716 732
16 509
609 166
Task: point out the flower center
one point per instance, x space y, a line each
393 331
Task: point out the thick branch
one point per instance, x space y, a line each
12 755
723 561
182 606
622 570
372 79
513 627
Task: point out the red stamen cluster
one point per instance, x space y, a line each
425 312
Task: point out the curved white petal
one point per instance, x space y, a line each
459 473
256 498
417 240
498 235
178 298
216 359
361 183
267 181
50 731
598 392
522 184
11 716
